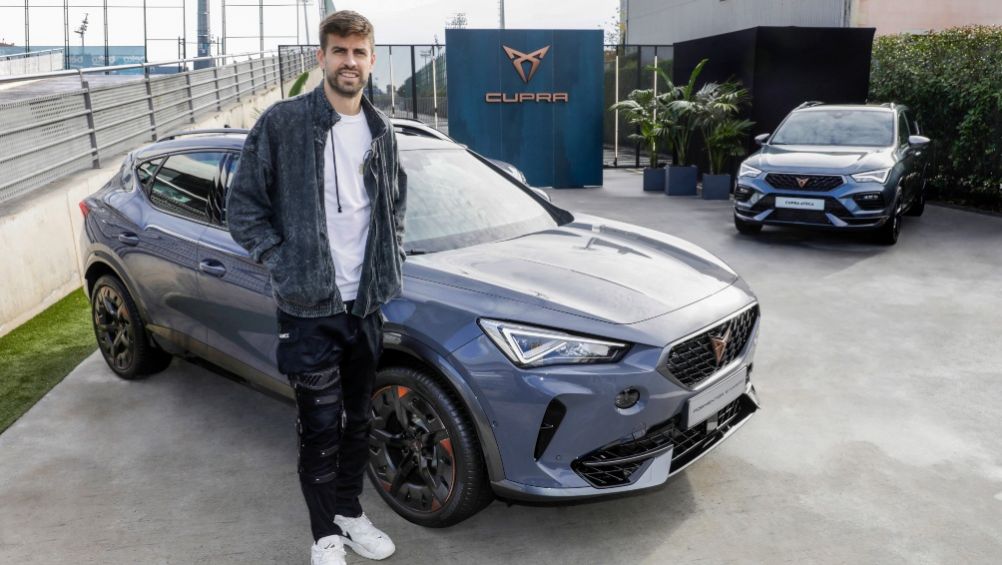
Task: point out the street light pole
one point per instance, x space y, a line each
306 24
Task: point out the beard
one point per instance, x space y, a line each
343 89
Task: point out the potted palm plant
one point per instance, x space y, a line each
714 112
723 141
680 119
641 109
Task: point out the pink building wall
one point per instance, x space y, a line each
899 16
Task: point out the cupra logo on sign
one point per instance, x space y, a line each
518 60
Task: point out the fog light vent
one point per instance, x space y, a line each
548 427
627 398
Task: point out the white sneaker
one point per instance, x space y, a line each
364 538
328 550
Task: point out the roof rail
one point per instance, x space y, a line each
890 105
809 103
174 134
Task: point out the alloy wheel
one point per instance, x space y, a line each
114 328
410 450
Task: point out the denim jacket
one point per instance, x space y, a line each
275 207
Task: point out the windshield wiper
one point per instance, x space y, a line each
410 252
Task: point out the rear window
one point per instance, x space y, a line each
837 127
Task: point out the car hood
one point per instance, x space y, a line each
821 159
592 267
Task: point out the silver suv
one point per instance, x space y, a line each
848 167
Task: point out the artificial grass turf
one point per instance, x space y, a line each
39 353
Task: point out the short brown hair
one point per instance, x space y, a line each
344 23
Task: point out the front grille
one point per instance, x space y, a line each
695 359
819 183
701 437
609 473
601 469
791 215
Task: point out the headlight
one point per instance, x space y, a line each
748 171
528 346
872 176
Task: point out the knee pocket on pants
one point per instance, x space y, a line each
317 479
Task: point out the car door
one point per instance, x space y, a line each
161 254
239 309
908 161
921 156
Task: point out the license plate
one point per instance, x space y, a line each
712 400
800 203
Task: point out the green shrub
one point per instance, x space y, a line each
952 81
297 86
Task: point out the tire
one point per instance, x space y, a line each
121 334
887 234
747 228
453 485
917 207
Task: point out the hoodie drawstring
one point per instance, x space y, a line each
337 190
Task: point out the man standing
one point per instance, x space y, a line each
319 198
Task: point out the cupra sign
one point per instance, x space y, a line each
518 61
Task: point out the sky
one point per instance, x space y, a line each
395 21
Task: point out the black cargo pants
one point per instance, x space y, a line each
330 362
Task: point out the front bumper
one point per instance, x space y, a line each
574 458
841 210
665 452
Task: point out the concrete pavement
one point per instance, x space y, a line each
878 368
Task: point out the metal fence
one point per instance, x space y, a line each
97 112
33 62
411 81
47 137
408 81
627 69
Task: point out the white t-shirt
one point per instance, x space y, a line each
348 230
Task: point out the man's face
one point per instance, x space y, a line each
347 63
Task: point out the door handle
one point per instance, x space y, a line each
128 238
212 267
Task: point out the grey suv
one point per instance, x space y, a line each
534 353
849 167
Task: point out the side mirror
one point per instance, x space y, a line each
918 141
542 193
761 138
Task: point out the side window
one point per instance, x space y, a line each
903 132
184 183
145 172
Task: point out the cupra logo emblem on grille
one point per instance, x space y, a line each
802 181
719 344
517 58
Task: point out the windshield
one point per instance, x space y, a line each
454 200
837 127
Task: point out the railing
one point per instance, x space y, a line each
48 137
32 62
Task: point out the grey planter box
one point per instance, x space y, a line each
716 187
654 180
681 181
